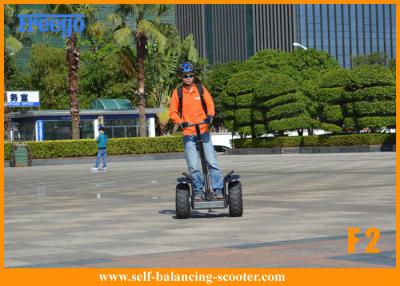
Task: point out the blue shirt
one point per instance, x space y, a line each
102 141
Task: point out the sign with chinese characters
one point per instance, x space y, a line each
64 23
23 98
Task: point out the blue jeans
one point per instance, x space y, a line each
194 163
102 153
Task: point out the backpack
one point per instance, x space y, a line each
201 92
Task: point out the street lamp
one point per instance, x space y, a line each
300 46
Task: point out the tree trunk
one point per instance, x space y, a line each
7 117
141 49
300 132
72 57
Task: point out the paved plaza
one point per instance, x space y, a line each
297 209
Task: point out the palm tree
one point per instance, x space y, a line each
73 53
14 41
146 17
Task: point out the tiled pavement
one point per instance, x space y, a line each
297 209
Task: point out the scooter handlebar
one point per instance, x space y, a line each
194 124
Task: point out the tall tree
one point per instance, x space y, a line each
72 56
14 41
146 17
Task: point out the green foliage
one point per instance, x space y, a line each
86 147
245 100
103 73
336 78
371 59
243 82
14 79
353 99
331 127
218 77
369 76
49 75
272 85
312 63
333 113
294 123
331 95
315 141
370 94
243 116
279 100
227 101
286 110
365 108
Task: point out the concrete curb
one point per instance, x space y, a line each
309 150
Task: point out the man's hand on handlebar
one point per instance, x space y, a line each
184 124
208 120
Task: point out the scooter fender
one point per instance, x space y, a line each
230 178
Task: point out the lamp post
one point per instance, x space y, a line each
300 46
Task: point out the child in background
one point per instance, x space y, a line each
102 150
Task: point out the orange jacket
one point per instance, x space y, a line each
192 110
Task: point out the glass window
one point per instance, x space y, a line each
317 11
132 131
302 10
57 130
119 132
86 129
23 131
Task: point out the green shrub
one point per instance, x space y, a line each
286 110
336 78
371 94
283 99
377 122
227 100
88 147
365 108
376 75
331 127
243 116
257 116
315 141
245 100
331 95
272 85
333 113
294 123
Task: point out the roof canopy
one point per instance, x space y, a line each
111 104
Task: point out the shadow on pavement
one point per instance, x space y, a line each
196 214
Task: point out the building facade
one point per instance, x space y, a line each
42 125
350 30
235 32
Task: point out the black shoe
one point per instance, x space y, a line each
218 194
198 196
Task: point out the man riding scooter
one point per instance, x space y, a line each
192 103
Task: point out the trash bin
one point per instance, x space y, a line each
20 156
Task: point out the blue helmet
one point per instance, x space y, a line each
186 67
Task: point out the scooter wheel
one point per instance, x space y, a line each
182 201
235 199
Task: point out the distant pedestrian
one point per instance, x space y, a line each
102 150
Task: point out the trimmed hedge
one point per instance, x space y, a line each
88 147
315 141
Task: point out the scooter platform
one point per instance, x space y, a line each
213 204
